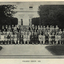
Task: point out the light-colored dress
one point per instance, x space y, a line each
40 37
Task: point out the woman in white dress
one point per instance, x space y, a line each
2 28
2 38
5 36
21 39
43 38
56 28
28 38
59 38
40 38
24 37
56 38
15 38
12 39
50 39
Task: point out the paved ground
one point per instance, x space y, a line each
24 50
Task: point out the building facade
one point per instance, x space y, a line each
25 13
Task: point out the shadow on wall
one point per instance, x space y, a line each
56 49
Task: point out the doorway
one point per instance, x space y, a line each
21 21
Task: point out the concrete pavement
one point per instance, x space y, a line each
24 50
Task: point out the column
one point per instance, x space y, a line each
19 21
30 23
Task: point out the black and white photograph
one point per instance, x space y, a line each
31 29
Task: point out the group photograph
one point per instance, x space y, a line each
32 29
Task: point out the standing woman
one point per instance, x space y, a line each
56 28
41 28
32 38
6 28
2 28
9 36
12 38
49 34
36 37
21 39
9 28
53 38
56 38
40 38
18 37
5 36
12 28
59 38
24 37
2 38
28 37
43 38
15 38
46 38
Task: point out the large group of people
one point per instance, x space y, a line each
31 35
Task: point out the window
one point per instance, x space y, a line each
31 7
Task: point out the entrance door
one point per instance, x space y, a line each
21 21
